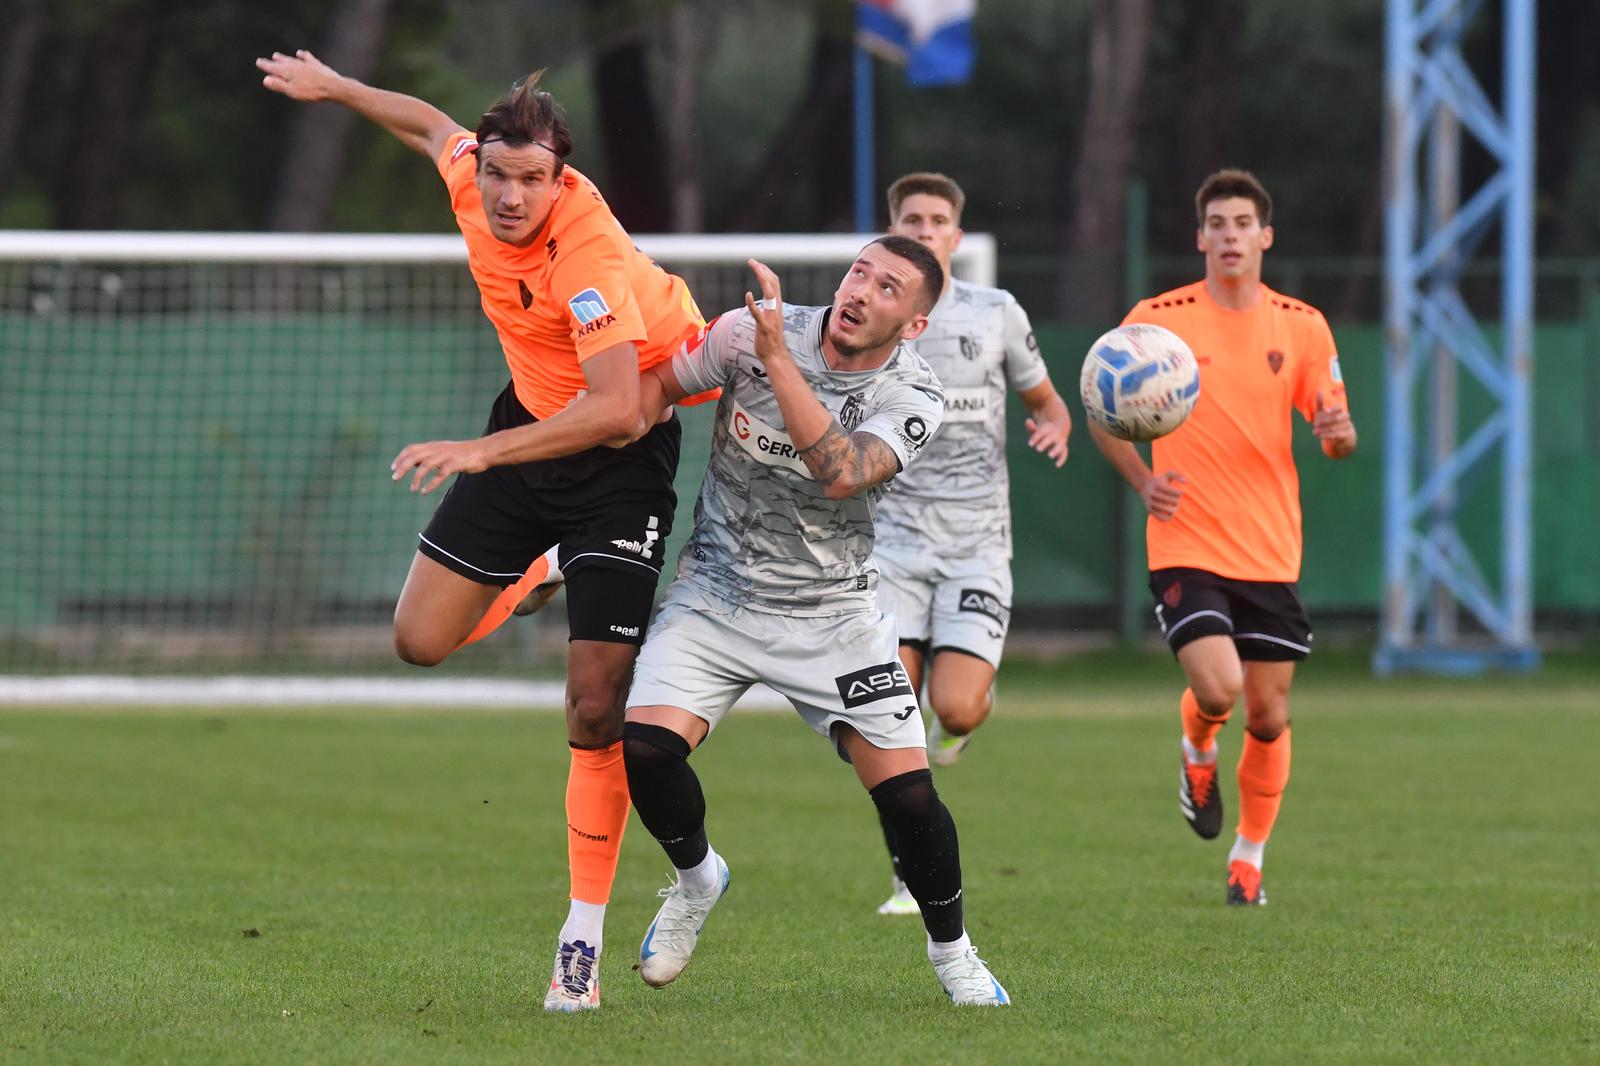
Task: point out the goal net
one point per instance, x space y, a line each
195 432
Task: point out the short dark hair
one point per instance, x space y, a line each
917 254
926 183
1229 183
527 115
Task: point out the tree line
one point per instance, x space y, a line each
705 115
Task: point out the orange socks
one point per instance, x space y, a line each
1199 727
507 602
597 813
1263 773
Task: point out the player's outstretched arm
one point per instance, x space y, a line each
418 124
844 464
1049 423
607 413
1161 492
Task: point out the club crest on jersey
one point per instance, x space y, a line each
1275 360
853 413
971 348
872 684
589 306
986 604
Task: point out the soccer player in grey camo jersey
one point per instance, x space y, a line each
944 533
820 407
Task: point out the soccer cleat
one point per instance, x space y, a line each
536 600
1200 799
545 590
944 748
967 980
1244 885
575 984
671 938
899 901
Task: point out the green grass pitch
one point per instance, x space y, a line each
377 886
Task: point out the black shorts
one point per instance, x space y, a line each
609 509
1266 619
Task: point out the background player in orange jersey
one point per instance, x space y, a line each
1224 500
568 458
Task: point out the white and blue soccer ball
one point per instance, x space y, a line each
1139 382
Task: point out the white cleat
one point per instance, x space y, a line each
575 984
671 938
544 591
899 901
967 980
944 748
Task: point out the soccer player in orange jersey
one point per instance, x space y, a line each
1224 502
568 458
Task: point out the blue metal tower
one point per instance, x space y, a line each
1431 233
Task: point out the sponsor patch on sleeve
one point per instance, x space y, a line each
1334 371
589 306
463 146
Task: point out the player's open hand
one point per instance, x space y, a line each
301 76
1333 428
1162 494
1049 435
431 463
767 313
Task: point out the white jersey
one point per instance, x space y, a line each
766 536
957 501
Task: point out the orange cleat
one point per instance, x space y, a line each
1244 885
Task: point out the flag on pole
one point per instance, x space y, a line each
933 38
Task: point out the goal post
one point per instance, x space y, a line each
195 431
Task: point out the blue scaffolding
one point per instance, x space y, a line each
1430 572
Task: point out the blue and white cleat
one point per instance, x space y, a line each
575 985
967 980
671 938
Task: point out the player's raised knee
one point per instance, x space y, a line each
420 648
1217 695
962 714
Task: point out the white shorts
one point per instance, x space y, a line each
961 604
701 654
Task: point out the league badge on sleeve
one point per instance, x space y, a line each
588 306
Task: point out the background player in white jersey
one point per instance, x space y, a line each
944 533
821 406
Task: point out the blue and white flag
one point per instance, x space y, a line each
933 38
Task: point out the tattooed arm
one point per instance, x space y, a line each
849 464
844 464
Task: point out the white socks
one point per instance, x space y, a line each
1247 851
937 951
702 879
1198 757
585 922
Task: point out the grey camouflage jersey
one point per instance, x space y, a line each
765 534
957 501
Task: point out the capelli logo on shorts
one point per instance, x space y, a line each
627 631
873 684
985 603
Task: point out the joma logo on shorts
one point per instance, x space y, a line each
873 684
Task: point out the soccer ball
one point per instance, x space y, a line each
1139 382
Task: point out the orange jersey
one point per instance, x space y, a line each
1240 513
578 288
